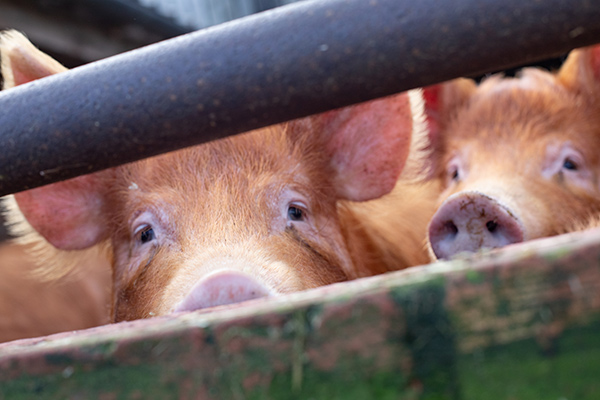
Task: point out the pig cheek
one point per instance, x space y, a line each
141 298
316 272
321 258
139 281
535 216
316 239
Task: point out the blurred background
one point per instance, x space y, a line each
79 31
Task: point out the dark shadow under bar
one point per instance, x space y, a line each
282 64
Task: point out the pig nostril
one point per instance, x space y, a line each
491 226
450 228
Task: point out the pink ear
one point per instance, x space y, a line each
22 62
368 144
595 61
67 214
442 101
431 96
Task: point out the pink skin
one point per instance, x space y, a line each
222 287
468 221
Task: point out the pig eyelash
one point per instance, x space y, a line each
568 165
145 229
571 160
297 212
144 234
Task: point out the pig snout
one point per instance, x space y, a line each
221 288
470 221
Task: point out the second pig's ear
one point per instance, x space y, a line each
581 70
442 103
22 62
368 145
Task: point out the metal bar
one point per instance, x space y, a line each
282 64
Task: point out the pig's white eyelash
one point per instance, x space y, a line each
145 218
292 198
140 228
296 214
558 158
566 161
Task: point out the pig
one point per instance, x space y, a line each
272 211
30 306
516 158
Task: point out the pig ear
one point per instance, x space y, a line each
441 103
581 70
22 62
67 214
368 145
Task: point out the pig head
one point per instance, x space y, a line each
517 158
249 216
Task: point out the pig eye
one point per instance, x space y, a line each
145 234
295 213
570 165
453 170
453 173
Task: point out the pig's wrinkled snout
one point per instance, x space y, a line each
472 221
221 288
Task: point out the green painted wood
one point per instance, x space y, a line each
517 324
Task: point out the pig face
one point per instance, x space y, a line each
249 216
517 157
245 217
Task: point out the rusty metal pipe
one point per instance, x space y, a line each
282 64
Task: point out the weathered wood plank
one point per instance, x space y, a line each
520 323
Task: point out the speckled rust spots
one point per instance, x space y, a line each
525 294
107 396
254 380
379 321
263 336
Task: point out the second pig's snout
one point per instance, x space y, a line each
470 221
